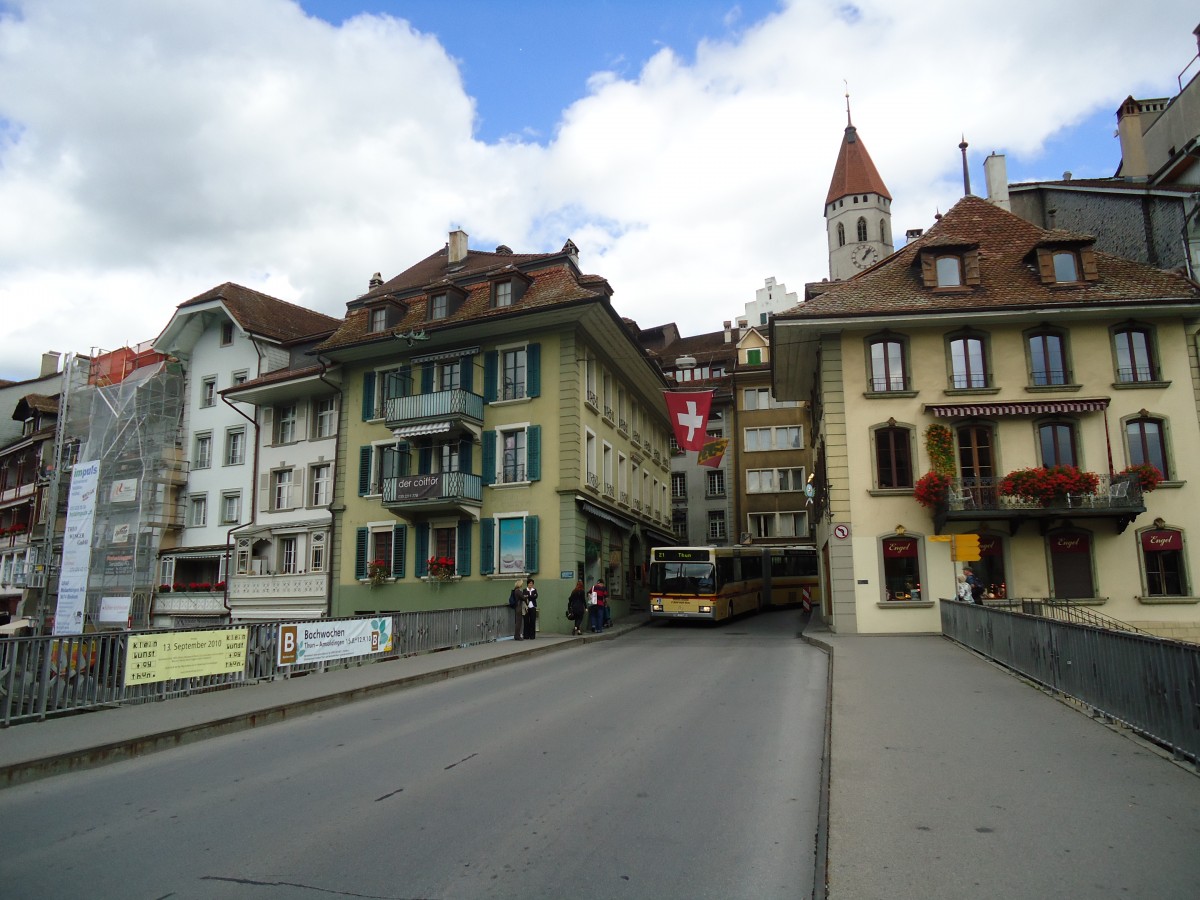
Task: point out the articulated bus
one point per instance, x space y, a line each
717 583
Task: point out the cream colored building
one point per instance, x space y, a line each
1029 349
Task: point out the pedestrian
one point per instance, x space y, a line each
597 601
975 583
577 607
964 589
518 604
531 612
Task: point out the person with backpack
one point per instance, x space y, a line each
597 601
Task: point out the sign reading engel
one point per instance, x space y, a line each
318 641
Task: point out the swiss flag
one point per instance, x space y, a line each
688 412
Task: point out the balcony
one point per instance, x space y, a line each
978 500
446 408
437 492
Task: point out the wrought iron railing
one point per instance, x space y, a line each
439 404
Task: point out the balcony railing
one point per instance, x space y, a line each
246 587
416 408
980 498
593 481
438 489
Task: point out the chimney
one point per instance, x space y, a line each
50 363
742 326
995 173
728 334
457 248
376 281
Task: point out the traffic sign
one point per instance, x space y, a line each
966 547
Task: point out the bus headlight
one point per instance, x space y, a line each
656 607
706 609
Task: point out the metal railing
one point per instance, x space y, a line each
1148 683
51 676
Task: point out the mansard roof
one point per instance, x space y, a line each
854 172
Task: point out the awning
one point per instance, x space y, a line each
460 353
590 509
1019 408
407 431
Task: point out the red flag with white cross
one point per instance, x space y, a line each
688 412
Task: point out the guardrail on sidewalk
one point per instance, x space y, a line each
1149 683
47 676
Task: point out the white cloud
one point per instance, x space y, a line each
156 150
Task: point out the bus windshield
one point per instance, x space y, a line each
682 578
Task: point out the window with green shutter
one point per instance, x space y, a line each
364 471
487 546
399 548
533 452
360 553
531 543
462 559
368 398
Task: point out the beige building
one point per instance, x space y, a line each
982 352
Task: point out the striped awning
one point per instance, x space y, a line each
1019 408
407 431
590 509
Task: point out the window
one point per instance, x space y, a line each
226 334
1071 565
754 357
231 507
449 457
883 231
1057 443
287 556
841 235
610 489
321 481
589 374
758 439
901 568
377 320
239 377
316 552
679 525
513 456
784 437
679 485
513 371
202 458
281 489
1135 354
976 466
285 424
443 542
714 485
768 481
502 294
756 398
325 417
716 525
198 505
968 363
448 375
781 524
888 371
1146 443
439 306
1066 267
1162 555
893 458
235 446
593 480
208 391
861 229
949 271
511 546
381 546
1047 359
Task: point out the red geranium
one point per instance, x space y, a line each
932 489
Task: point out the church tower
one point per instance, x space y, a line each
858 209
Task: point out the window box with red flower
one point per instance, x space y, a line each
1049 485
441 568
378 572
1147 476
932 489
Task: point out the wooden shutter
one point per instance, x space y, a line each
368 398
491 363
531 543
422 549
462 550
489 457
399 550
360 553
533 370
1087 259
1045 263
364 471
533 452
427 378
929 269
466 374
487 546
424 460
971 267
465 452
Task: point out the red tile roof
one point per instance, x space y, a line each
264 315
1008 278
854 172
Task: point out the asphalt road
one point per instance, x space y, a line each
676 761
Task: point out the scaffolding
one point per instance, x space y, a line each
123 409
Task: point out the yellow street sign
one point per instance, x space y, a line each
941 538
966 547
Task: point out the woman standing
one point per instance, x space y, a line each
519 606
577 608
530 611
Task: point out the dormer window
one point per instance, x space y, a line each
508 288
949 271
1066 267
502 294
439 306
377 319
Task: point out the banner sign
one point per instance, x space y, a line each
165 656
305 642
1162 540
77 548
899 548
412 487
688 412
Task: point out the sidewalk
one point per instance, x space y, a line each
953 778
40 749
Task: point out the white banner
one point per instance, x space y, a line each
306 642
77 548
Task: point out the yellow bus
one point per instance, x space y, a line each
707 583
791 577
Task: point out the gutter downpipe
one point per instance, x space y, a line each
253 495
337 442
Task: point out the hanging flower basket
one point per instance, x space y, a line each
939 444
378 572
1147 476
441 568
1048 485
932 489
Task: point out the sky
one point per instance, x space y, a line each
153 149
